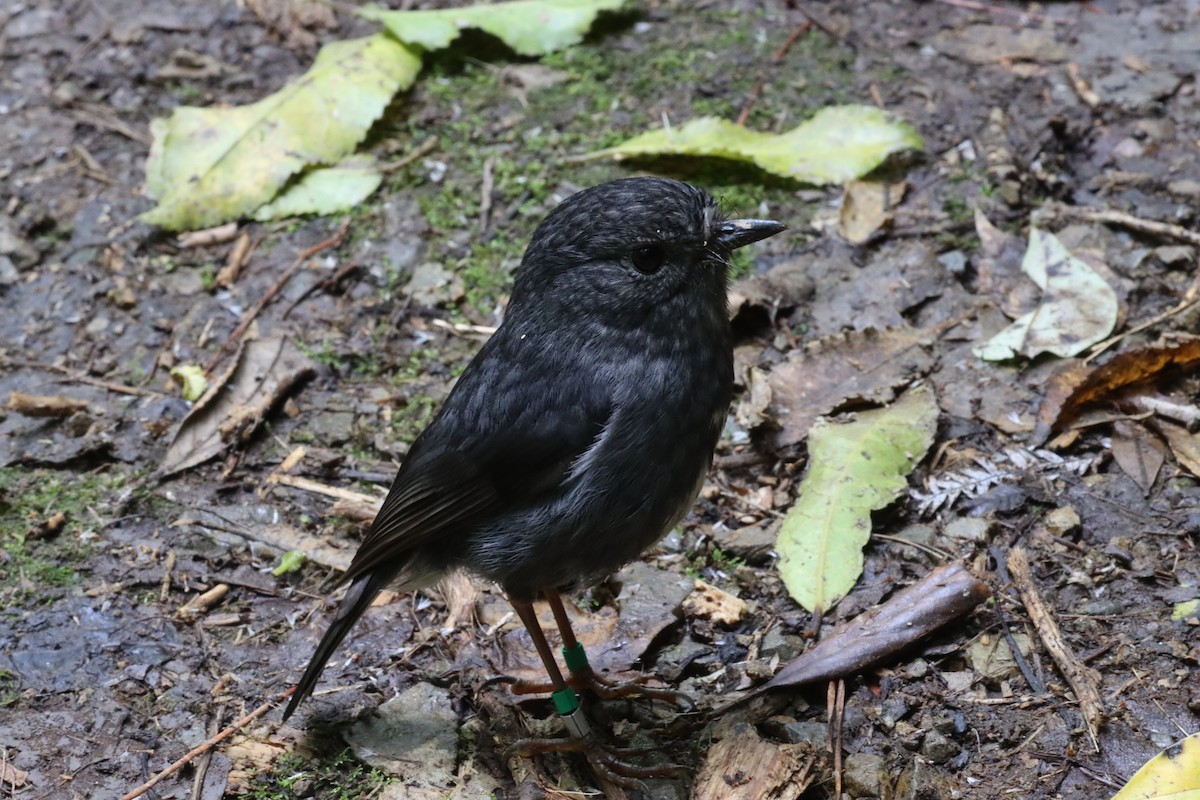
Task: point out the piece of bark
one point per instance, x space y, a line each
945 594
746 767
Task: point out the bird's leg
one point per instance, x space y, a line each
584 678
605 761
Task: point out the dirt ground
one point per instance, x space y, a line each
103 683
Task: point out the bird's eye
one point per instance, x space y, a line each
649 259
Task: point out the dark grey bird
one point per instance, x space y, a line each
582 431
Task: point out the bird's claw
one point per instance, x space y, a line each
608 763
601 688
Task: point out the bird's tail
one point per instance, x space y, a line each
358 599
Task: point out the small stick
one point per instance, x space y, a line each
1083 679
269 295
976 6
208 744
485 194
1190 298
1111 216
425 148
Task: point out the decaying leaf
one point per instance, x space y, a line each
854 468
838 144
1138 453
867 208
263 374
852 367
210 165
530 27
1078 307
1075 387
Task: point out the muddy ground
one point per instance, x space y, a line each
103 683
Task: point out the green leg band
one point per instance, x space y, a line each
576 658
565 701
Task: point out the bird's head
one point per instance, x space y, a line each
617 252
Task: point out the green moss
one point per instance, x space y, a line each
27 500
341 777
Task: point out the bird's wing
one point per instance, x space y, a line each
490 450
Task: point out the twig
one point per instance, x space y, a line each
208 744
780 53
1190 298
425 148
973 5
76 377
269 295
485 193
1111 216
1083 679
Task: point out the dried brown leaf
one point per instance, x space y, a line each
857 366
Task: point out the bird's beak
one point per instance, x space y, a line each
735 233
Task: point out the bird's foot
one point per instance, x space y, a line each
609 763
584 679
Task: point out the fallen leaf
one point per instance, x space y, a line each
1185 445
262 375
530 27
838 144
866 208
1077 310
1074 387
210 165
854 468
1138 453
1173 774
325 190
856 366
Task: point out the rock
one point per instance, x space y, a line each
14 246
938 748
753 544
865 775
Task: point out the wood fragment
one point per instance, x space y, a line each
1084 681
164 589
746 767
209 236
201 603
942 596
39 405
228 274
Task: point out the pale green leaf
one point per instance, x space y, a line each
1173 774
838 144
1185 610
530 27
854 468
324 190
192 379
211 165
1078 308
291 561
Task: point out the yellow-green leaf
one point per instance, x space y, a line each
530 27
838 144
1173 774
290 561
325 190
211 165
1186 610
193 380
1078 307
854 468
